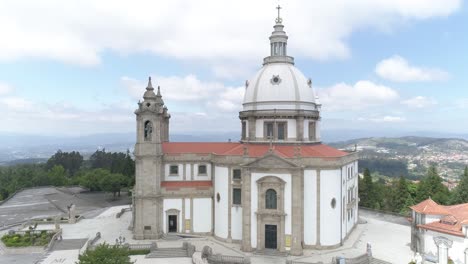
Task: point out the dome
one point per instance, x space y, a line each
279 86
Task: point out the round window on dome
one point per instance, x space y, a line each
275 79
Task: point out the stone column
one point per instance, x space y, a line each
251 127
246 208
297 214
443 245
318 209
229 238
300 128
466 256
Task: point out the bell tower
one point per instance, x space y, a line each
152 120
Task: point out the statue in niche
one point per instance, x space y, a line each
148 130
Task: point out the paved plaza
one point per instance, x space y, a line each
388 235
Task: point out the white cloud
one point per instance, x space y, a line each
205 32
462 103
398 69
419 102
190 90
5 89
383 119
16 103
388 119
362 95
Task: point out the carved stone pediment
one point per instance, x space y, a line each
271 160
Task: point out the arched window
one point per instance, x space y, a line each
270 199
148 130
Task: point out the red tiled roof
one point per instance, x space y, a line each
186 184
429 207
254 150
455 217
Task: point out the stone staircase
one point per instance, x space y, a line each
168 253
171 237
67 244
271 253
378 261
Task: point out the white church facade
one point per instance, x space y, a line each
278 188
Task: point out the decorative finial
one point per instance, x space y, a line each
279 19
150 85
159 91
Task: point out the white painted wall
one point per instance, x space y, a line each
432 218
236 222
221 207
187 208
202 215
178 177
172 204
291 128
306 129
330 221
456 253
310 207
259 128
254 203
202 177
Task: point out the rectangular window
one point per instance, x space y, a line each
236 196
312 136
281 131
174 170
269 130
147 227
244 130
202 169
236 174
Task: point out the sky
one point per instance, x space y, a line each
73 68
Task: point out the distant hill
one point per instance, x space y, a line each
410 155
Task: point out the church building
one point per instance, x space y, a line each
277 188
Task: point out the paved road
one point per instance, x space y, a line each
48 201
20 259
396 219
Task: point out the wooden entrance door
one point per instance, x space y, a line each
173 223
271 236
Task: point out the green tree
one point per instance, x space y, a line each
70 161
400 196
112 183
105 254
58 176
92 179
460 193
431 186
366 190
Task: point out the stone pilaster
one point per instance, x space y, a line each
251 127
300 128
246 210
318 209
183 214
297 213
229 238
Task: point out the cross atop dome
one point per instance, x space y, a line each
278 43
279 19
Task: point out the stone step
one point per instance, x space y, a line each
168 253
378 261
271 252
67 244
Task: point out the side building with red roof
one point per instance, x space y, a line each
440 232
277 188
